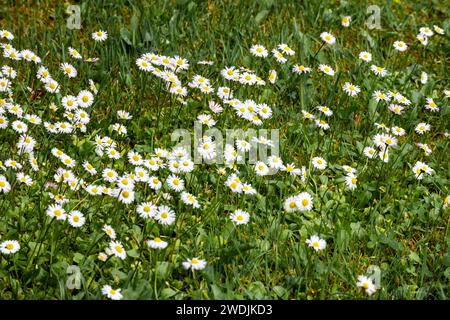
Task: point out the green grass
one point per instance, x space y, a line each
392 220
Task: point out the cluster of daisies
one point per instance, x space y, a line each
152 182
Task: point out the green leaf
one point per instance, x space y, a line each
261 16
134 253
414 257
78 257
167 293
125 35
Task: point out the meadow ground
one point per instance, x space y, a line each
97 202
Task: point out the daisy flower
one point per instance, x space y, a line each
365 56
135 158
446 202
85 99
56 211
175 183
420 168
117 249
345 21
215 107
379 71
89 168
398 131
291 169
147 210
438 30
395 108
113 294
328 37
230 73
426 31
261 168
304 201
9 246
207 148
326 69
206 119
100 35
240 217
69 70
367 284
369 152
110 232
307 115
5 85
74 53
351 181
264 111
348 169
123 115
102 256
446 93
76 219
258 51
154 183
272 76
400 46
6 35
52 86
189 199
291 204
325 110
423 39
423 77
275 162
422 127
279 56
165 215
194 264
23 178
425 148
322 124
157 243
431 105
316 243
351 89
300 69
286 49
126 196
234 183
319 163
109 175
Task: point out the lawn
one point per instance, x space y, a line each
224 150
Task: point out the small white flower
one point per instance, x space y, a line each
319 163
367 284
240 217
194 264
316 243
9 246
113 294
